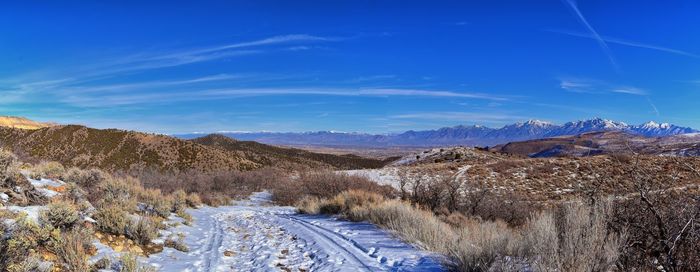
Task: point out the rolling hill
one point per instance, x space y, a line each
21 122
268 155
119 150
604 142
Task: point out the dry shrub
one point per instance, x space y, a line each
671 240
103 263
25 238
324 184
50 170
193 200
87 179
129 263
576 238
142 230
60 214
178 244
155 202
480 244
216 199
179 201
72 250
119 191
213 188
411 223
309 205
112 219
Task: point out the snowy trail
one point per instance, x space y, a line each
255 236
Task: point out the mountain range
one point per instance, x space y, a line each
474 135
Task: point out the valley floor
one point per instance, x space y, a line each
256 236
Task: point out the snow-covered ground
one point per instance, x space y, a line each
383 176
256 236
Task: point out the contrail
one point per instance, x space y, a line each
603 45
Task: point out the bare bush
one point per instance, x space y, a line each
324 185
575 238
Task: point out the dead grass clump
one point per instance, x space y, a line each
60 214
575 238
129 263
411 223
480 244
178 244
193 200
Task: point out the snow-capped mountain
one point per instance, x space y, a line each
583 126
653 129
461 135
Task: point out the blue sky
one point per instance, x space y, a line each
369 66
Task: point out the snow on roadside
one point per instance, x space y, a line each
256 236
383 176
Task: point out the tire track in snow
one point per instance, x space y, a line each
211 253
350 250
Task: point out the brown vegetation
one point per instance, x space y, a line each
574 238
288 158
322 185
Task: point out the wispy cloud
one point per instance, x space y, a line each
461 117
101 100
629 90
628 43
431 93
594 34
578 85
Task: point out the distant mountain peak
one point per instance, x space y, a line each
467 134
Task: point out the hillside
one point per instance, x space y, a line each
21 122
268 155
117 149
606 142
